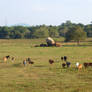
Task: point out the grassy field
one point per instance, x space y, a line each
42 77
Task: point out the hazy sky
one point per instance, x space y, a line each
49 12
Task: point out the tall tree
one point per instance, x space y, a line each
75 33
4 32
53 31
41 32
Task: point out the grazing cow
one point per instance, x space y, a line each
65 58
77 64
63 65
7 56
51 61
12 59
43 45
29 61
62 58
68 64
80 66
87 64
4 59
90 64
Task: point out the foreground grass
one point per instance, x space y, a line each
42 77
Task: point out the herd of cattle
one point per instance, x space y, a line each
25 61
8 57
64 65
68 64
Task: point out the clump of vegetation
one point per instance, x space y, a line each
43 31
75 33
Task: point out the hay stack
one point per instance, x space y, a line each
50 41
57 44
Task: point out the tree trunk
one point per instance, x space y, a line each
78 43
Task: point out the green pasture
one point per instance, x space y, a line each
41 76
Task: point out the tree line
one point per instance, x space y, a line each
68 30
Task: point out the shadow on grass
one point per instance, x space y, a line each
43 66
76 45
2 62
69 69
17 65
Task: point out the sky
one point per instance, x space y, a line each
48 12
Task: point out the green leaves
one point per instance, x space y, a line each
75 33
41 32
69 30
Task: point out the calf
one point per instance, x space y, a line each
65 58
77 64
12 59
7 56
51 61
63 65
90 64
62 58
43 45
4 59
80 66
29 61
68 64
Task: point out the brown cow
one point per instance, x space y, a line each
51 61
29 61
4 59
63 65
62 58
87 64
80 66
